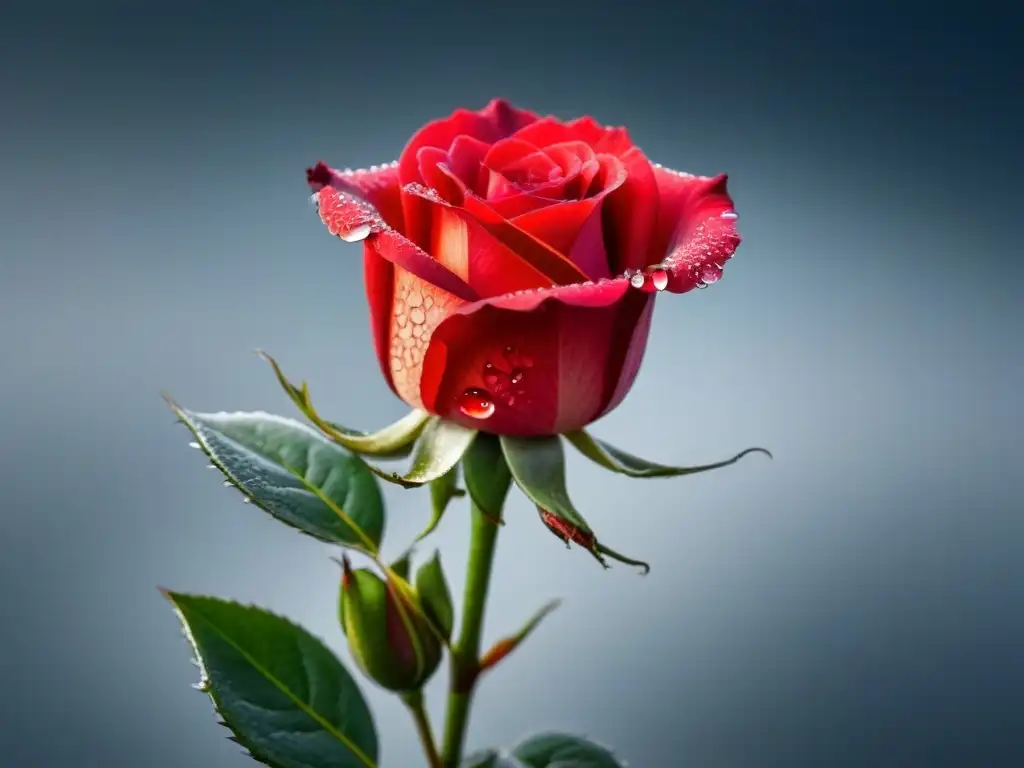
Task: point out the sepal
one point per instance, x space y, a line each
502 648
538 468
391 442
617 460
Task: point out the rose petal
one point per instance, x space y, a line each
630 214
540 255
377 185
497 120
352 218
550 359
470 251
418 309
696 232
549 130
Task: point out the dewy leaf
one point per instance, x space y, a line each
558 750
393 441
285 696
294 473
438 449
617 460
442 491
538 467
506 645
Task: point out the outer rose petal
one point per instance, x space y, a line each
696 232
553 360
378 185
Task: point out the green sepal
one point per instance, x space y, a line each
294 473
506 645
286 698
442 491
439 447
487 475
434 595
618 460
537 465
392 442
559 750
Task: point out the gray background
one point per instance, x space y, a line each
855 603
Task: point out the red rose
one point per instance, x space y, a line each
512 262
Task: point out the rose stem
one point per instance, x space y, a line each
466 651
414 701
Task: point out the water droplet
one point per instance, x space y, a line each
515 375
246 500
659 279
729 215
476 403
203 685
637 280
211 466
228 484
356 234
193 444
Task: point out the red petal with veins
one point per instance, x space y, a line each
551 359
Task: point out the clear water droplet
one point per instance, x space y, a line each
659 279
729 215
246 500
476 403
228 484
637 280
356 234
193 444
203 685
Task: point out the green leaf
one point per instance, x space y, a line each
538 466
393 441
285 696
559 750
436 598
618 460
293 472
437 450
442 491
491 758
487 475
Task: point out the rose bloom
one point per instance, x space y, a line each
512 263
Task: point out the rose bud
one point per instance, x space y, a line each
388 634
512 263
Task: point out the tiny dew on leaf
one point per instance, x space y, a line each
284 695
294 473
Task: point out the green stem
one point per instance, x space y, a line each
466 650
414 701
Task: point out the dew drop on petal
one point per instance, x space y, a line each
356 234
659 279
729 215
476 403
637 280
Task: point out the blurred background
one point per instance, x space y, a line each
856 602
